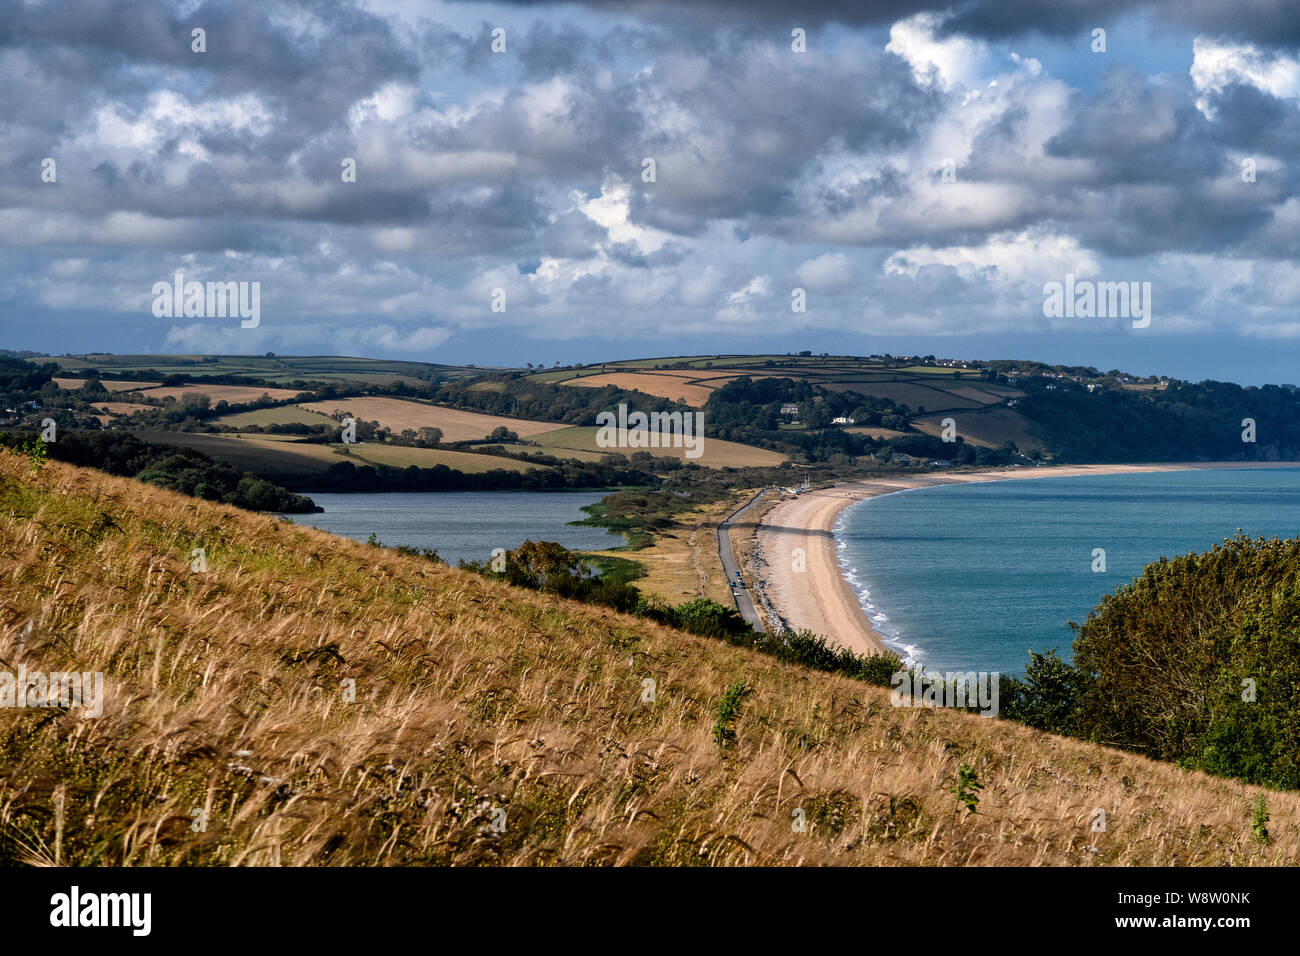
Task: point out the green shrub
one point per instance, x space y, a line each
728 711
967 789
1046 697
1259 820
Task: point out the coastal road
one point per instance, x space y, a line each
740 593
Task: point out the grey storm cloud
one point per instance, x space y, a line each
1267 22
1165 165
310 77
471 165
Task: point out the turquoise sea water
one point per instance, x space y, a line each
462 524
969 577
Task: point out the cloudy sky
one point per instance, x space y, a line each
920 170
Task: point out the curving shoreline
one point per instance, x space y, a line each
820 599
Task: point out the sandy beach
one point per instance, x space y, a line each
818 598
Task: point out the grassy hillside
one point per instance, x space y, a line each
324 368
226 707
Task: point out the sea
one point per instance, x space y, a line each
462 525
970 577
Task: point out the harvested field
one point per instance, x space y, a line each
260 455
674 386
234 394
72 384
282 455
397 414
399 456
280 415
120 408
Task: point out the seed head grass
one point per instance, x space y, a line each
311 701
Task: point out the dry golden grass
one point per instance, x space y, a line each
224 696
397 414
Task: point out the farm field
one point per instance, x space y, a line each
716 453
280 415
120 408
669 385
875 432
259 455
73 384
398 414
989 429
231 393
308 367
562 375
283 456
399 456
905 393
693 379
234 394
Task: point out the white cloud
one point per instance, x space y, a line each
1216 65
936 62
831 270
757 286
611 210
390 339
701 288
1028 256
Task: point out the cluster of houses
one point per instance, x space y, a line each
13 416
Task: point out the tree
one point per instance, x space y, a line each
1047 695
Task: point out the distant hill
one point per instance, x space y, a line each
304 699
838 414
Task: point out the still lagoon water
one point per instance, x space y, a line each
460 525
970 577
